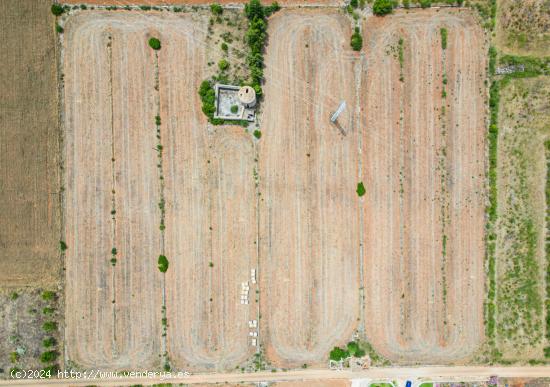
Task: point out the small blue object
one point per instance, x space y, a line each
408 384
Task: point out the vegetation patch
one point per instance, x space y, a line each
154 43
163 263
361 189
383 7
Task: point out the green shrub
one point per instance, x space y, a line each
234 109
406 4
216 9
163 263
48 310
356 40
382 7
14 357
361 189
257 134
354 3
62 245
48 356
48 295
154 43
425 3
49 326
338 354
274 7
145 7
14 296
157 120
355 350
223 65
225 47
48 342
113 251
59 29
444 38
57 9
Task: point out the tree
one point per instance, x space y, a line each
382 7
49 356
154 43
254 10
163 263
216 9
356 40
257 134
49 342
338 354
57 9
234 110
354 3
355 350
361 189
425 3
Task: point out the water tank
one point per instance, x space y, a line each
247 96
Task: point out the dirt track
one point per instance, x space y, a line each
199 2
309 225
424 172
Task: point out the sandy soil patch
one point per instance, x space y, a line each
425 174
309 225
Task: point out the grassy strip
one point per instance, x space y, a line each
533 67
494 99
444 38
547 248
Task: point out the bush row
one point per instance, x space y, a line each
492 208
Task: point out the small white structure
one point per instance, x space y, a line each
234 102
338 111
247 96
252 323
254 342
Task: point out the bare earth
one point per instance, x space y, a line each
113 313
209 191
423 169
424 174
309 224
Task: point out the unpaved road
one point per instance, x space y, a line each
424 172
425 373
309 228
